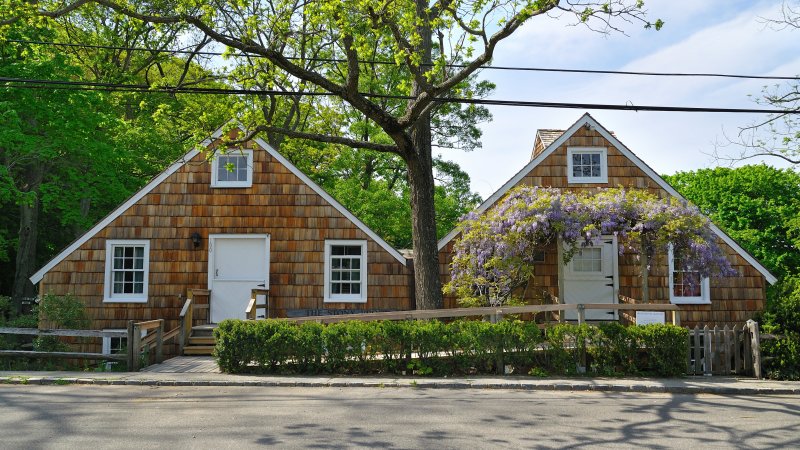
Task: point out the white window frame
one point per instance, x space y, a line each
705 288
216 183
345 298
107 344
107 340
603 151
109 296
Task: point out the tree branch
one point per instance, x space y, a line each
383 148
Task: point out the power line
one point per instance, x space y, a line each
119 87
379 62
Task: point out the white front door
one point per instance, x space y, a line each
237 263
591 276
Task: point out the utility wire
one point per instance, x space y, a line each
378 62
113 87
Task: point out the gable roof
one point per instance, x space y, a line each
547 135
37 277
588 120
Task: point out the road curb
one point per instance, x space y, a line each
413 384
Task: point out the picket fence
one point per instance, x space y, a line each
725 351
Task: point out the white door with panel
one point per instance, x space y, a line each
237 263
591 276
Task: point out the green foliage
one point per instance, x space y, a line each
782 318
6 308
782 357
759 206
756 205
438 348
63 311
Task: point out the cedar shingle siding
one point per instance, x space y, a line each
733 300
279 203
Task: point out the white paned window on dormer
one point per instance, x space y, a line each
587 165
233 168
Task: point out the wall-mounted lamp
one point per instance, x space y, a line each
196 239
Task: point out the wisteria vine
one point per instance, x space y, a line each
496 251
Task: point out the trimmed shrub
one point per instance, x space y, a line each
437 348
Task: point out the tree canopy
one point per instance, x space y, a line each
497 249
758 206
329 48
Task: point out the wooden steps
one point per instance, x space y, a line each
201 341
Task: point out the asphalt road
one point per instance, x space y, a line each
94 417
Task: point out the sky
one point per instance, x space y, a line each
720 36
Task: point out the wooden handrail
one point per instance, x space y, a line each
250 312
253 305
186 307
185 322
69 333
150 324
76 355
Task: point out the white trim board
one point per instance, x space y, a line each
588 120
37 277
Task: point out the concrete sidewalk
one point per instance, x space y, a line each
202 371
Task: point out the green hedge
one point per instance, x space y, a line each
437 348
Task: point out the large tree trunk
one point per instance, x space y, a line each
427 285
26 251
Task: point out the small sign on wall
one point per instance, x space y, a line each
648 317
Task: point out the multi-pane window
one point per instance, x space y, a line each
128 269
233 169
686 285
587 165
127 266
345 271
588 259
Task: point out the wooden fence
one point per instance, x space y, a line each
725 351
495 313
137 344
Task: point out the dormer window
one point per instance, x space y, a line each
232 168
587 165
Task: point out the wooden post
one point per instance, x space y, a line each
136 344
716 351
130 350
755 337
727 363
581 313
689 353
737 348
181 336
676 318
706 351
160 342
697 349
748 348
